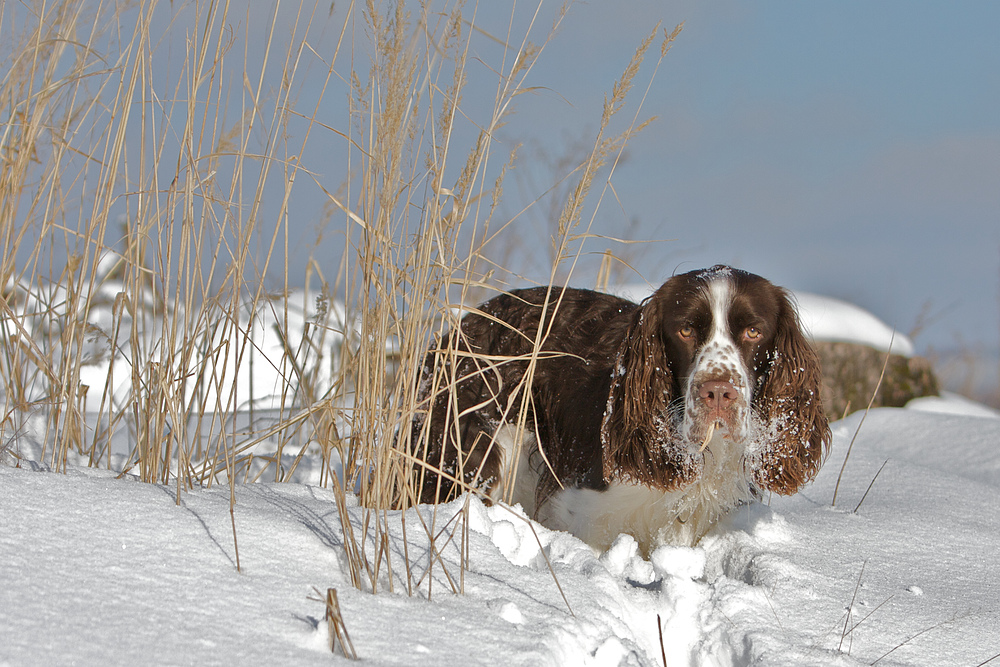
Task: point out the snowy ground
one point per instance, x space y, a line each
96 570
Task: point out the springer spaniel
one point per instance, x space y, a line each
652 419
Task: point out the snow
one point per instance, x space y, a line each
951 403
97 568
100 570
305 322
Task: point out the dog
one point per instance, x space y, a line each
601 416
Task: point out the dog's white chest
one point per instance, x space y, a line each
653 516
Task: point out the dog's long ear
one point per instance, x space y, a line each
797 433
636 432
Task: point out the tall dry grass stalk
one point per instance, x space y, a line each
153 157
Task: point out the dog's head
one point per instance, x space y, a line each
715 350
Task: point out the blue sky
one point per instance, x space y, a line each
850 148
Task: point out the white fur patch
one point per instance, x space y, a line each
518 480
652 516
718 358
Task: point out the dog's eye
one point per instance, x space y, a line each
686 332
752 333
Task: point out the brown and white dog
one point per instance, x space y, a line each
652 419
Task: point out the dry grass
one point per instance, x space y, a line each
153 160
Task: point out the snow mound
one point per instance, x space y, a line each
952 404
